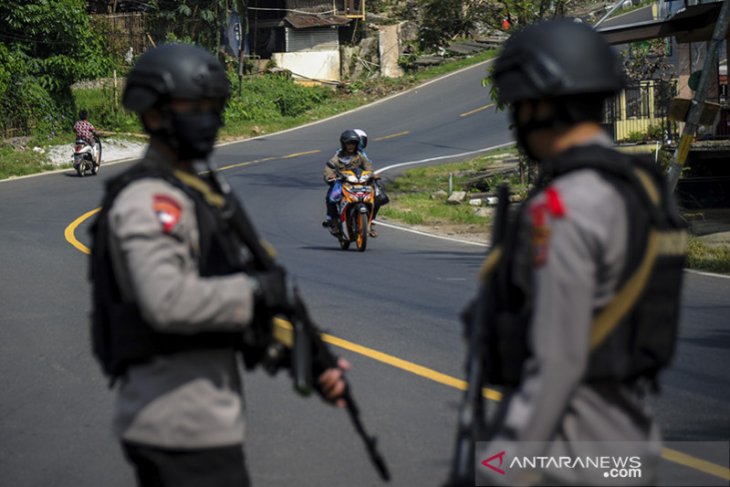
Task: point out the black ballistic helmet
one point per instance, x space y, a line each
349 136
174 71
554 59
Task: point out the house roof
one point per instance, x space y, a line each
308 21
691 24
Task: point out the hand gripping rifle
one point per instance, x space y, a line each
471 424
309 355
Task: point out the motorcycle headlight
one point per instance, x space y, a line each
352 179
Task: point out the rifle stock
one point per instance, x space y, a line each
307 346
471 424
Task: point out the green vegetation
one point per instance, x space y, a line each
708 257
412 199
653 132
46 47
14 163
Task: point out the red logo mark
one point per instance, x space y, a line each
487 463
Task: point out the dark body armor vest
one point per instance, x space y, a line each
120 335
634 335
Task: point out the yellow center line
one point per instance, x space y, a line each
696 463
297 154
472 112
407 366
419 370
70 230
392 136
247 163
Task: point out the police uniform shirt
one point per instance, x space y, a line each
572 245
188 399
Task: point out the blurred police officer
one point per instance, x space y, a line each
172 294
588 287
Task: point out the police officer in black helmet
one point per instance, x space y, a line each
172 293
587 290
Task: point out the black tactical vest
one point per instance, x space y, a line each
120 335
634 336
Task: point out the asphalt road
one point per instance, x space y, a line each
400 298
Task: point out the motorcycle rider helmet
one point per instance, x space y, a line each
83 114
557 59
363 138
179 72
349 136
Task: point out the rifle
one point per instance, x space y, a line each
471 423
306 346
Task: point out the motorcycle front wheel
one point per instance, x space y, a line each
362 231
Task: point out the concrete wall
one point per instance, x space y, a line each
319 65
390 51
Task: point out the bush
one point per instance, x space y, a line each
271 97
653 132
105 110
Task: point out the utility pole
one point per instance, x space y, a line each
698 102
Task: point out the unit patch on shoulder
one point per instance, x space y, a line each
553 207
167 210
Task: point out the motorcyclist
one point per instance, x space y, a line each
348 158
87 132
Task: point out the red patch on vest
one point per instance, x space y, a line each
552 206
167 210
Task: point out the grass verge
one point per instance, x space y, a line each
418 196
412 202
708 257
21 163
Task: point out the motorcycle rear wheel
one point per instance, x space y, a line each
344 244
80 171
362 232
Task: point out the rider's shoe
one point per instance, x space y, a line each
372 231
331 225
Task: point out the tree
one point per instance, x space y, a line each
443 20
194 21
520 13
56 39
45 47
647 60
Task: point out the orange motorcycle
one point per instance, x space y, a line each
356 193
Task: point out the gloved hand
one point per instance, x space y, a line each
331 383
272 291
